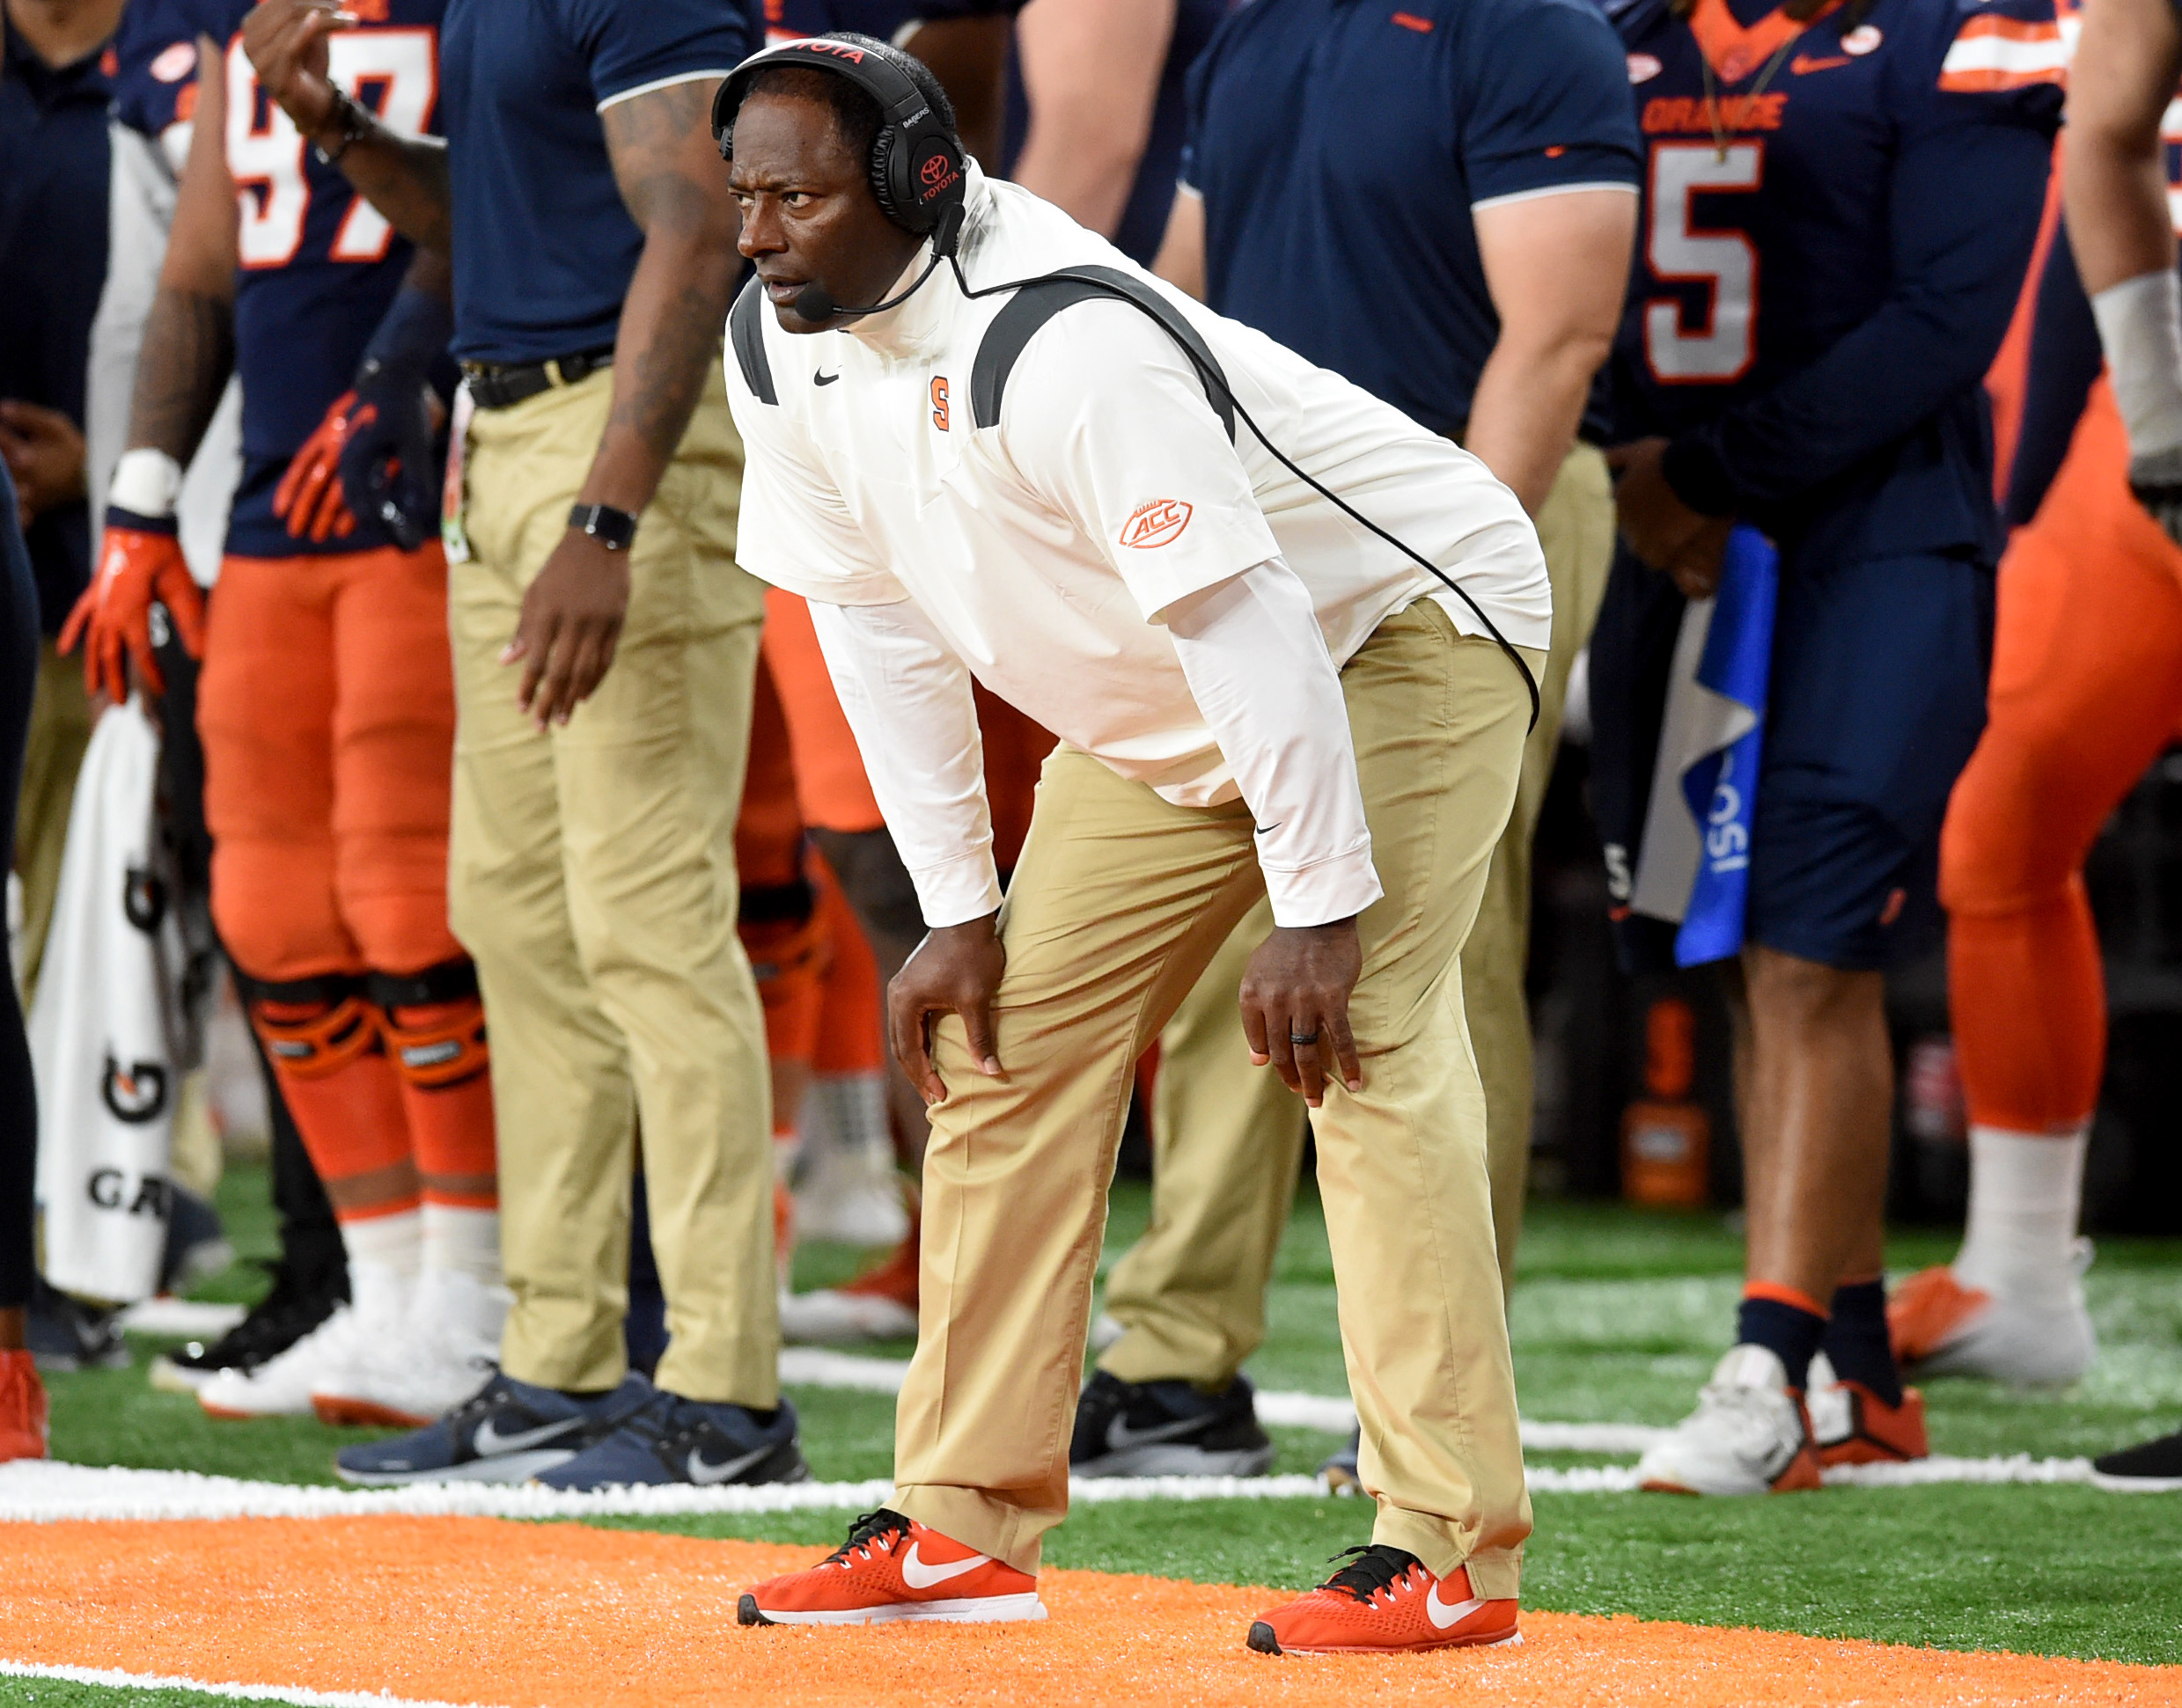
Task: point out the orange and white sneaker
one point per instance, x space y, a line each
1748 1435
1384 1601
22 1408
892 1567
2028 1337
1852 1425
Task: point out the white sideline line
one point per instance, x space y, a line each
43 1493
231 1692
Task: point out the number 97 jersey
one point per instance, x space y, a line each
1865 182
318 264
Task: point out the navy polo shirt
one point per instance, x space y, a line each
54 162
1340 146
543 247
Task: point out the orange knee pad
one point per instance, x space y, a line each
312 1028
434 1023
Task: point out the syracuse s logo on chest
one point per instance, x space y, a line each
1156 524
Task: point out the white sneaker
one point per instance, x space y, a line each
1747 1435
832 1318
2030 1336
849 1192
442 1354
281 1387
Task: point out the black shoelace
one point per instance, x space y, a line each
869 1528
1373 1567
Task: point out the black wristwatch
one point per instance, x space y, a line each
612 529
355 125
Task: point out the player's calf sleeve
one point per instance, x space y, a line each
789 945
435 1029
1855 1341
323 1040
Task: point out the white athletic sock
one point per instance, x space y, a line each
394 1242
2026 1191
380 1293
462 1240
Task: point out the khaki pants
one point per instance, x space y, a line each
1227 1138
1118 904
592 878
60 731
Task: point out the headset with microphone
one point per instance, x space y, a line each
916 171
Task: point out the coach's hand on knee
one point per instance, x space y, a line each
1295 1000
570 623
955 969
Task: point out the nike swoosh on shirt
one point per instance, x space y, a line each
489 1441
1268 830
1445 1617
827 379
1804 63
704 1474
918 1575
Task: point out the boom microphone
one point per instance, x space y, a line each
814 302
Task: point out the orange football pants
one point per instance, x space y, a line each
326 714
2086 691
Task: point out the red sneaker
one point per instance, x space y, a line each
1930 1309
1386 1599
892 1567
22 1408
1852 1425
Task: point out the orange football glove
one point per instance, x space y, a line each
309 497
136 565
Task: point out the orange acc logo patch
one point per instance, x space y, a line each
1157 523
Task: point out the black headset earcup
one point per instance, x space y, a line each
884 148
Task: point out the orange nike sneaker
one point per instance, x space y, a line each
22 1408
890 1568
1927 1310
1384 1601
1852 1425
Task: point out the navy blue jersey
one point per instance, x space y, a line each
155 74
55 162
1830 255
544 246
318 264
1340 149
889 20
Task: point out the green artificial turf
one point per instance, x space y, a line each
1618 1316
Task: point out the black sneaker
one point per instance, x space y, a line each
673 1439
66 1334
297 1305
507 1431
2150 1467
1166 1429
1338 1470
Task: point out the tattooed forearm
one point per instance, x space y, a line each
188 352
668 344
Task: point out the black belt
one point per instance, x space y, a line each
496 387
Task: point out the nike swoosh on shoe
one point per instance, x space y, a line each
918 1575
488 1442
1120 1437
1445 1617
704 1474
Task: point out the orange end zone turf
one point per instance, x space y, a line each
558 1616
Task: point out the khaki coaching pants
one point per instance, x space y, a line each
592 878
1227 1138
1118 903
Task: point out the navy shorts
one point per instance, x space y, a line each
1877 698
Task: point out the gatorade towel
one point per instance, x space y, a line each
1694 869
106 1082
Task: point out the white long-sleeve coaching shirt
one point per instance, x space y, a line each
1175 604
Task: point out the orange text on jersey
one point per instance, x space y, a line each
1688 113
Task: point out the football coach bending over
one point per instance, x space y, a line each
1040 489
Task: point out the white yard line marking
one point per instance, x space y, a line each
42 1492
231 1692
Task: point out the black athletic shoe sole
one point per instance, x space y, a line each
746 1612
1261 1637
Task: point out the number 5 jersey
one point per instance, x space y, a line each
1837 218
